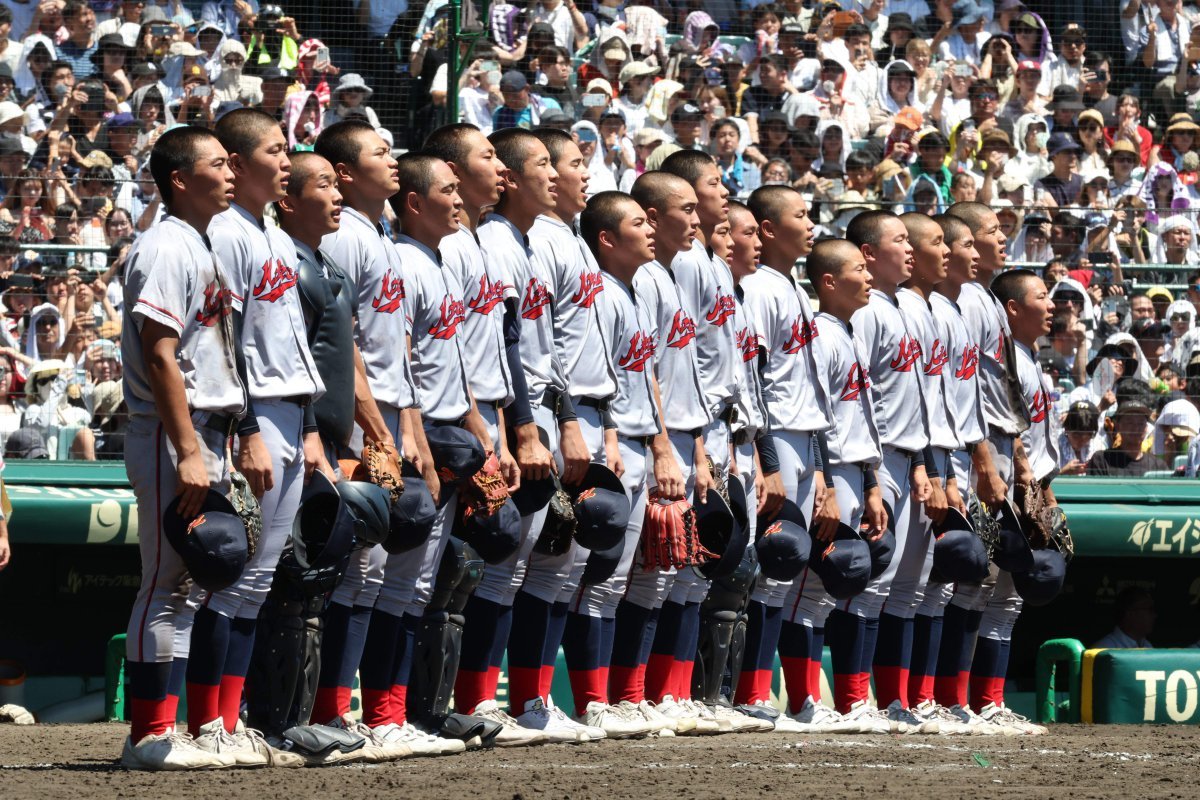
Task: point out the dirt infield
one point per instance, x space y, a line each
70 762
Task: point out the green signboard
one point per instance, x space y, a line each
1140 686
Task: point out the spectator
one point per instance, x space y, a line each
1129 128
302 119
1135 617
1174 429
29 209
1063 183
111 59
554 64
1081 438
635 79
738 176
1095 80
1127 458
1162 47
1094 155
565 19
80 44
230 83
12 404
1123 165
56 410
519 110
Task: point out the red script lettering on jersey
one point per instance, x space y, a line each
490 295
1037 409
391 294
748 344
683 330
938 359
216 305
910 351
277 278
590 285
968 363
453 314
723 308
537 297
856 381
641 350
802 335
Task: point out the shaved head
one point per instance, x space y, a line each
919 224
304 166
242 129
653 189
770 202
829 257
972 213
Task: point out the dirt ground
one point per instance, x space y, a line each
80 761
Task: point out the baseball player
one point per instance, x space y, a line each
540 607
838 271
798 414
185 396
892 353
965 419
529 191
619 233
278 444
356 640
490 343
996 464
678 451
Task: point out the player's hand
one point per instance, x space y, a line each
1074 467
509 470
704 481
770 494
991 489
430 475
826 515
954 498
922 489
534 459
668 479
314 457
875 515
574 452
192 480
254 462
935 506
612 456
5 547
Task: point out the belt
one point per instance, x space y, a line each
221 423
445 423
301 400
591 402
728 415
741 437
644 441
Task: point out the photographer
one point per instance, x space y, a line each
274 40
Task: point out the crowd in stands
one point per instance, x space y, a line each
1073 119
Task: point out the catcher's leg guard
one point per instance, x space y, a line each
719 616
439 638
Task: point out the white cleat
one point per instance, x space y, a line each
1005 717
814 717
660 724
557 728
588 733
215 739
978 725
741 723
419 742
688 721
384 750
899 715
871 720
705 714
513 734
252 741
171 750
948 723
614 721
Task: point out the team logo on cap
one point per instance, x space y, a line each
641 349
490 295
216 304
590 285
723 308
775 527
586 494
196 523
277 278
453 313
938 359
910 351
829 550
537 297
391 293
1037 409
683 330
968 364
856 381
802 335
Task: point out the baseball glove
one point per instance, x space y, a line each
247 507
669 535
1060 534
1037 516
985 524
487 490
720 478
559 529
382 465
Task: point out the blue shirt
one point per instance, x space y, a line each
79 58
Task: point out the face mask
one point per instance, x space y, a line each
1040 139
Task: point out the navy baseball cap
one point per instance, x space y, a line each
739 537
958 554
412 516
323 532
1042 582
369 505
1012 552
843 565
883 548
534 495
601 564
714 523
212 544
457 454
783 544
601 509
494 536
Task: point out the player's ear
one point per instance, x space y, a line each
286 204
766 230
344 176
237 164
652 217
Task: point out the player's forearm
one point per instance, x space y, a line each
475 424
366 411
170 397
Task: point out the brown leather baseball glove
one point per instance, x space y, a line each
381 463
669 536
487 490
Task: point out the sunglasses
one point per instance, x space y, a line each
986 97
1090 128
234 60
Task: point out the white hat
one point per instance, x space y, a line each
1178 417
1090 175
10 111
636 69
185 49
600 83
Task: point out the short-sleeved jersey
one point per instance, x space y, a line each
988 323
576 284
935 366
1040 445
706 287
675 363
435 309
963 402
853 437
894 360
751 411
373 266
506 250
482 340
795 399
626 326
262 268
171 278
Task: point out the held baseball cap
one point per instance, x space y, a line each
729 559
1044 579
601 564
323 532
883 548
533 495
714 522
958 554
513 81
601 508
1012 551
843 565
457 454
784 546
369 506
212 544
412 516
494 536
